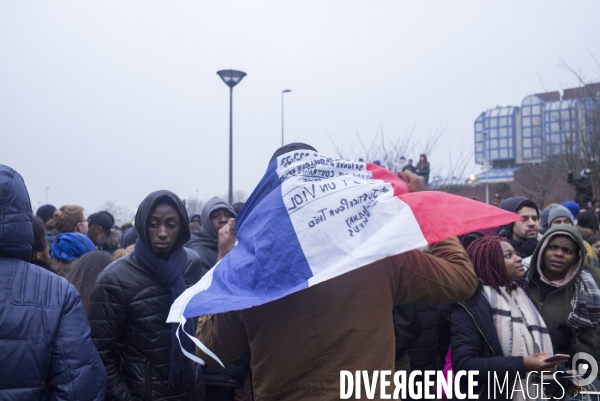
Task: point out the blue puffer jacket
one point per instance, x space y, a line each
46 352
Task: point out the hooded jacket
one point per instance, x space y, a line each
45 346
204 242
128 313
556 307
523 249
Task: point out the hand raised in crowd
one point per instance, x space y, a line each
535 363
226 238
415 182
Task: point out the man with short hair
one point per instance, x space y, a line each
46 352
46 213
522 234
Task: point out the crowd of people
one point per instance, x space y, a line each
84 303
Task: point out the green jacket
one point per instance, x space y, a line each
556 308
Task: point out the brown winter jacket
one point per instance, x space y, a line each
300 343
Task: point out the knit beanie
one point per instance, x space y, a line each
559 211
573 208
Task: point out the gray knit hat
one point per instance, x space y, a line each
559 211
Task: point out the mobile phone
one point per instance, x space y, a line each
558 358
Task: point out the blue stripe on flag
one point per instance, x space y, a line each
267 264
267 184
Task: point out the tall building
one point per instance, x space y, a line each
546 124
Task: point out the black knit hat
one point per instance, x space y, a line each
45 212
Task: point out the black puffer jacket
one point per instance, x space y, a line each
128 313
415 326
45 348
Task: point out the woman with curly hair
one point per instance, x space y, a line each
498 330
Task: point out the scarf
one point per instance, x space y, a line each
520 328
585 303
70 246
169 273
586 300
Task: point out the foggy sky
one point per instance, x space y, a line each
111 100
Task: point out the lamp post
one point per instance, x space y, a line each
282 93
231 79
487 166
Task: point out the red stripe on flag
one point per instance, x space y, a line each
380 173
441 215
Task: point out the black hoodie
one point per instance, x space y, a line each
128 313
142 217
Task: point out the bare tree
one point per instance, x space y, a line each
120 213
582 139
544 183
454 177
389 151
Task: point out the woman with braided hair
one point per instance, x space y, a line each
499 330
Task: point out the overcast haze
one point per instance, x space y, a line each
112 100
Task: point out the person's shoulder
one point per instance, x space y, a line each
32 285
192 255
119 270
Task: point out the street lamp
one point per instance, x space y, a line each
282 92
231 79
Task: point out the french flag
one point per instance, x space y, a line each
312 218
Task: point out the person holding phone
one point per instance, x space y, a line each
498 329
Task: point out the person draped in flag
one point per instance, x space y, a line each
299 343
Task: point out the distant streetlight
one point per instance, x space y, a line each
231 79
282 92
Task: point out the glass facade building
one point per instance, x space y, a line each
561 126
495 135
545 125
532 138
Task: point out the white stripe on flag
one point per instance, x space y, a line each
399 233
181 302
